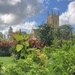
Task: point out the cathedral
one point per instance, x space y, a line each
53 19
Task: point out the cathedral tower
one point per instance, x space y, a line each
53 19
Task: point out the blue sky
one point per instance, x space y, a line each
61 5
28 14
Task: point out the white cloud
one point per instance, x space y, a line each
7 18
68 17
47 2
40 1
55 8
13 2
26 26
14 13
64 0
19 10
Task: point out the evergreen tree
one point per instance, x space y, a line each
46 34
65 32
10 31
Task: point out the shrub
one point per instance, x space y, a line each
4 48
34 64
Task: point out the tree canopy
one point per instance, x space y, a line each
45 33
64 32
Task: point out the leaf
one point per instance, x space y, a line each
26 36
27 44
18 37
19 47
31 49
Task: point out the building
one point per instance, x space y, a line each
53 19
32 35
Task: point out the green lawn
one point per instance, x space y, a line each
6 60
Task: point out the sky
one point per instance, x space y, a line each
29 14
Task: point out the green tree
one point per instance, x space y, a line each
45 33
1 36
64 32
10 31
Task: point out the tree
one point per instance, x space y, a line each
64 32
1 35
4 36
45 33
10 31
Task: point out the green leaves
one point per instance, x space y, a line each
27 44
46 34
26 36
19 47
18 37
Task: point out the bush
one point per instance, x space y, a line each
49 61
34 64
4 48
54 60
61 61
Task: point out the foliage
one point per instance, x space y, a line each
61 60
34 64
36 44
14 43
0 66
18 37
21 46
54 60
64 32
46 34
1 36
4 48
51 60
10 30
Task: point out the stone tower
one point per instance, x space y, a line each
53 19
32 35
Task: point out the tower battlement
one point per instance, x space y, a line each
53 19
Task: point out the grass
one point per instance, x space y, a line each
6 60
